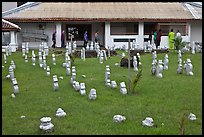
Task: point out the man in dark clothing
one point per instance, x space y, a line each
62 39
54 39
85 39
159 34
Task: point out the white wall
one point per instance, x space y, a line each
34 27
196 31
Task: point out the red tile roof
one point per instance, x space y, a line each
103 11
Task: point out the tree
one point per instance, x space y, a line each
179 43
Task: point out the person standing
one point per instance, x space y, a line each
178 34
150 36
54 39
85 39
171 39
159 34
62 39
155 37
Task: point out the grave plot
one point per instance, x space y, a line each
156 108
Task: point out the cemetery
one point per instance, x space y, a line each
74 68
59 96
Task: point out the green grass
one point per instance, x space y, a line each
166 100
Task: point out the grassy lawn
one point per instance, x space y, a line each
166 100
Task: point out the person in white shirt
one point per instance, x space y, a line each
178 34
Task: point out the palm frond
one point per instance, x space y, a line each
136 79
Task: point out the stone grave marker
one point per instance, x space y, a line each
15 86
166 62
113 84
48 71
82 89
92 94
53 59
123 89
46 124
60 112
55 83
5 58
11 72
159 69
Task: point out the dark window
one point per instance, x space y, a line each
124 28
78 31
149 27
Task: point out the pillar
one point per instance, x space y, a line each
141 34
107 35
58 34
13 41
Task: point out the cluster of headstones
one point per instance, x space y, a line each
91 47
113 83
187 65
11 76
46 124
196 47
8 50
108 82
102 56
157 68
179 69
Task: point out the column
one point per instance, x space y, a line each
141 34
58 34
107 35
13 41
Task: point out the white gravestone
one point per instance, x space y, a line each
123 55
87 46
148 122
104 54
113 84
153 69
159 69
68 71
83 54
189 67
23 49
192 116
91 47
5 58
48 71
46 124
13 64
40 61
119 118
15 86
60 112
166 62
92 94
123 89
55 83
53 59
135 63
26 58
33 59
77 86
101 57
11 72
82 89
179 69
